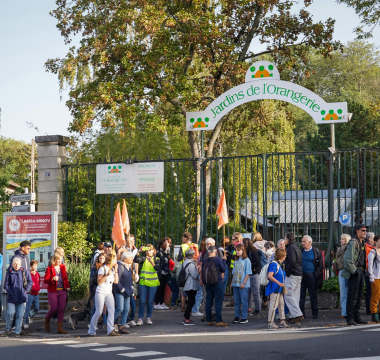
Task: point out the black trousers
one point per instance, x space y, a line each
367 294
355 294
160 293
309 282
190 303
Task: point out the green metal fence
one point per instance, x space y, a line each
303 193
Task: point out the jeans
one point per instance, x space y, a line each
100 300
254 283
57 303
122 307
214 291
241 300
355 295
276 301
226 273
190 303
367 293
131 315
292 298
146 295
13 309
198 300
174 288
309 282
343 284
33 300
160 292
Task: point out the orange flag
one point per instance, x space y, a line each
125 219
117 228
222 212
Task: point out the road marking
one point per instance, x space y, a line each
61 342
116 348
86 345
38 340
357 358
142 353
377 329
352 327
178 358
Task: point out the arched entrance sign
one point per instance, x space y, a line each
262 81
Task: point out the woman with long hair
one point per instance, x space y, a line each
162 253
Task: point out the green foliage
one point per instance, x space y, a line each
331 285
72 237
79 277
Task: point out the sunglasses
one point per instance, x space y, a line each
363 230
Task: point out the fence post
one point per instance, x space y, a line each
330 206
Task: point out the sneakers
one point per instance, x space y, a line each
30 320
236 320
197 314
283 324
131 324
361 322
139 322
149 321
113 333
188 322
272 326
375 318
25 326
6 333
116 328
295 320
157 307
351 322
243 321
164 307
123 330
256 312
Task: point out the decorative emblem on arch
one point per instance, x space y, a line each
331 115
261 70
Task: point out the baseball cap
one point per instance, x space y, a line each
360 226
107 244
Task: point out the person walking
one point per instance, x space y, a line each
191 285
107 276
241 272
163 255
343 283
33 297
148 281
353 270
211 270
312 275
17 284
22 253
123 291
374 278
293 270
369 246
275 290
58 285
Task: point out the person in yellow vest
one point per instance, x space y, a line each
148 283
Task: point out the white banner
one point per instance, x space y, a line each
126 179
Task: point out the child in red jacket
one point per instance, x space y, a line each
33 297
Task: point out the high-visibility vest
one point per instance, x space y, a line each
233 259
148 275
186 247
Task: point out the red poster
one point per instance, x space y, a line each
29 224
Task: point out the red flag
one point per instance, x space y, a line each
117 228
222 212
125 219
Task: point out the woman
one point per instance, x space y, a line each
270 248
254 279
163 255
107 275
17 295
343 283
192 284
369 246
259 244
148 281
172 281
123 290
276 277
374 278
58 285
223 246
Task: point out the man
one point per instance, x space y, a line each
293 270
369 245
214 291
187 244
280 245
130 246
107 248
23 253
354 270
210 242
312 274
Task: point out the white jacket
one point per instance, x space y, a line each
373 265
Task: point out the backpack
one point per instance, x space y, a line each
182 278
263 258
264 281
210 273
93 283
192 246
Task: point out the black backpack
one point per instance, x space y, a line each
182 276
210 273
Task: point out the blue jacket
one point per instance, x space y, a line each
14 286
125 285
24 260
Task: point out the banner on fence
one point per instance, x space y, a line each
131 178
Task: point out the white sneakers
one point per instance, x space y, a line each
139 322
272 326
197 314
160 307
131 324
25 326
149 321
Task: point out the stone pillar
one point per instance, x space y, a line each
50 189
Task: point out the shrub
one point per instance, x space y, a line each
331 285
79 277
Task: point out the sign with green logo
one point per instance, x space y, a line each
131 178
262 81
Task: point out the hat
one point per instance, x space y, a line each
107 244
360 226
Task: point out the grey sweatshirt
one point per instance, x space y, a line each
373 266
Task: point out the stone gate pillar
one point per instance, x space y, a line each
50 188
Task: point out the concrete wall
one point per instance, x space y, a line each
51 191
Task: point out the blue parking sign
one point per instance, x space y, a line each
344 219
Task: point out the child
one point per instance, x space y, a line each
33 297
241 272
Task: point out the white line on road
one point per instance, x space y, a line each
61 342
86 345
178 358
352 327
357 358
142 353
38 340
116 348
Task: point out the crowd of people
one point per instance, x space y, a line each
256 270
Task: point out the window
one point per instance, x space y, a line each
41 257
32 256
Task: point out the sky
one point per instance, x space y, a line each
28 37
